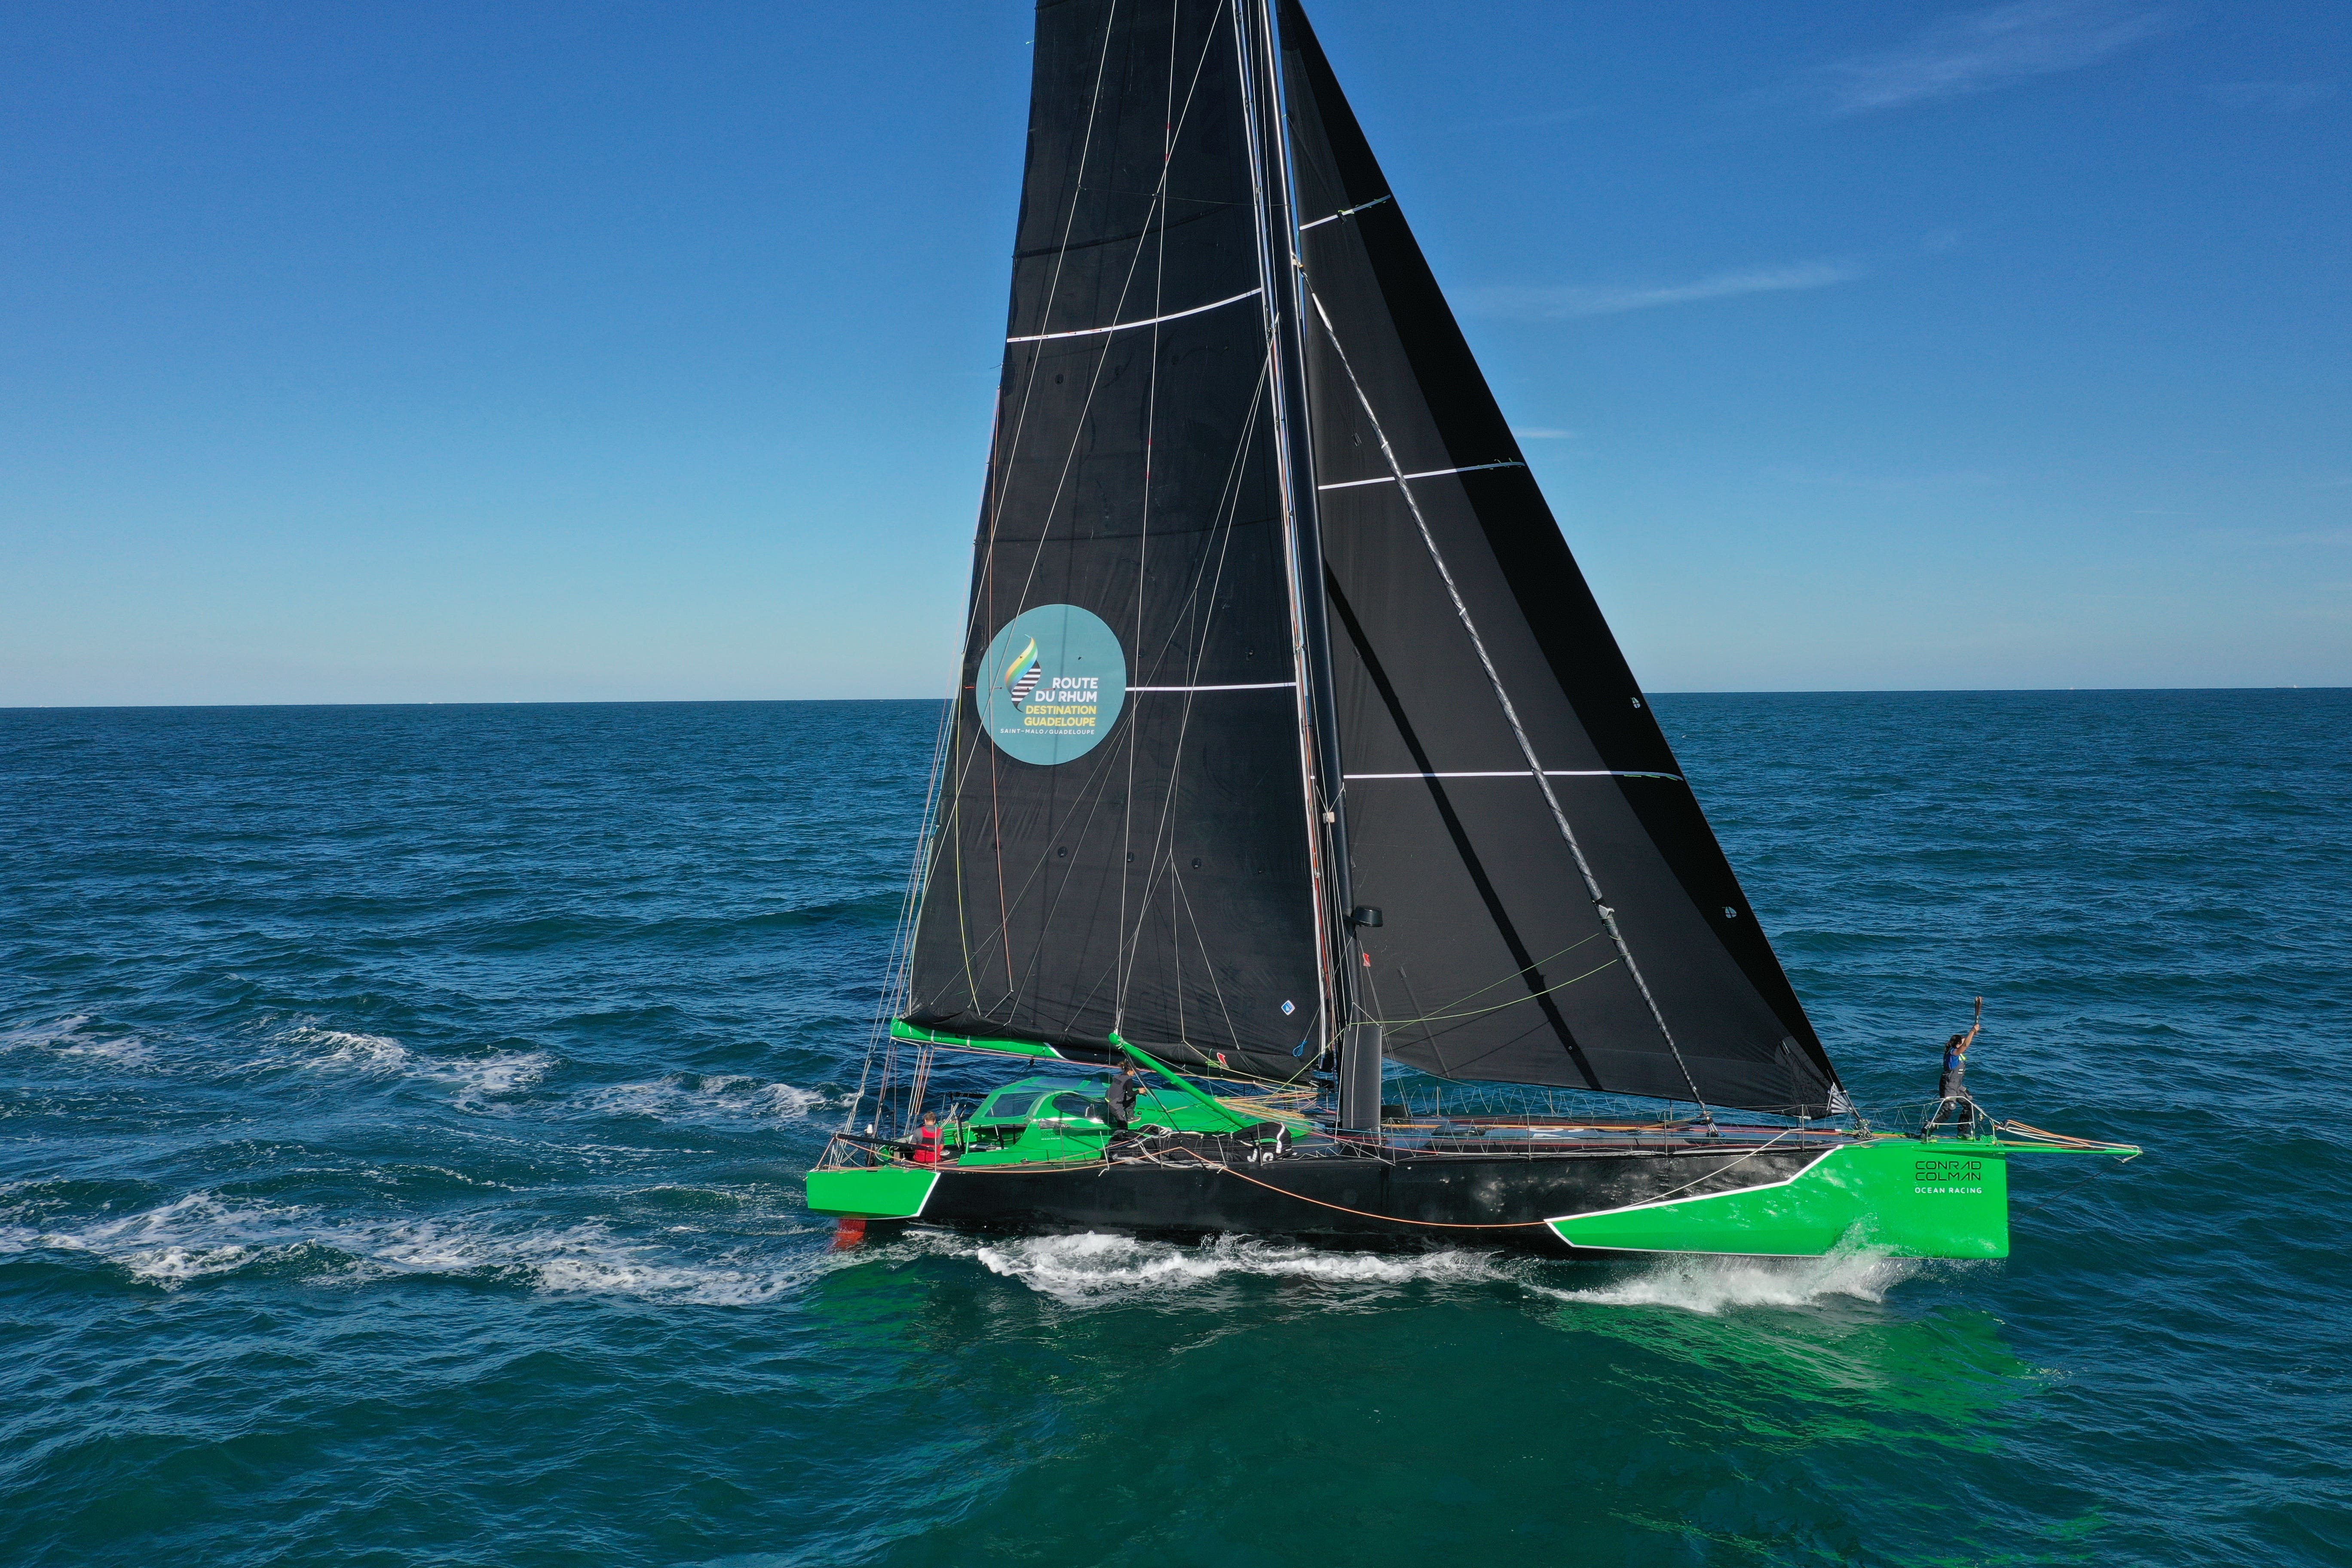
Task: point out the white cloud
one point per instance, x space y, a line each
2271 96
1978 51
1560 302
1539 432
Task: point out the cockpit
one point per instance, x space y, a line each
1040 1099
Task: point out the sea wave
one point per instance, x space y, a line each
205 1233
590 1259
328 1050
69 1037
190 1237
693 1096
309 1046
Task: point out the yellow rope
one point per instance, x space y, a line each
2061 1139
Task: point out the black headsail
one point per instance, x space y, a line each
1123 841
1555 908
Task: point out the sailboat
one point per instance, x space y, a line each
1291 763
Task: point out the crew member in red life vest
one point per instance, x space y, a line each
927 1142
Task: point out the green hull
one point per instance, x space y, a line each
1903 1196
1946 1198
878 1192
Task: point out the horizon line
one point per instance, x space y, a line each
752 701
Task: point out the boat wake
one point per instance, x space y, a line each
310 1047
706 1097
1091 1269
205 1234
1717 1285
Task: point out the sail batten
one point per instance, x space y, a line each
1147 321
1426 474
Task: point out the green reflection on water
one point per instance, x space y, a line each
1255 1405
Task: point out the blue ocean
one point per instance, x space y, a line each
402 1112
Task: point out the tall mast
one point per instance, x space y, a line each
1327 824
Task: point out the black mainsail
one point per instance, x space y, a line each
1123 838
1555 908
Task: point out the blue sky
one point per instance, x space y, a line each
581 351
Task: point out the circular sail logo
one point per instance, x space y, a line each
1050 684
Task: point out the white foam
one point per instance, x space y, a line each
39 1034
203 1235
786 1100
64 1037
1717 1285
1096 1268
330 1050
698 1284
584 1258
125 1053
476 1079
184 1239
173 1265
687 1097
316 1049
1093 1268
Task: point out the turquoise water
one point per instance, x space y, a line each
402 1109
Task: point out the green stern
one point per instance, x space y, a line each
872 1192
1906 1196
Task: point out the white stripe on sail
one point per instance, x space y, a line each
1343 212
1122 326
1425 474
1524 773
1260 686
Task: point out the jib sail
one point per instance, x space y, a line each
1555 909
